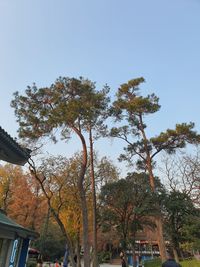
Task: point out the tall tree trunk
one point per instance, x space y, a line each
158 220
84 208
95 259
160 239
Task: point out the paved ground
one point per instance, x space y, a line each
101 265
109 265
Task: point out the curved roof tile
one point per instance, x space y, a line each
11 151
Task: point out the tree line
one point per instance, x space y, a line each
75 106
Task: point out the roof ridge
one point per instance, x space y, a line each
12 141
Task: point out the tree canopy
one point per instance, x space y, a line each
131 107
68 104
127 206
180 213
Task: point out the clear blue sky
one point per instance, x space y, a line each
107 41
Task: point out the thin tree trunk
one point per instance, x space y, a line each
175 254
5 199
86 255
176 249
56 216
34 217
77 250
95 259
45 230
133 253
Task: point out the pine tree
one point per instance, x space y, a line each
132 108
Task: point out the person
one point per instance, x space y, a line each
122 256
123 262
39 262
140 261
75 258
66 256
57 264
170 262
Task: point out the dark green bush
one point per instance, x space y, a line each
31 263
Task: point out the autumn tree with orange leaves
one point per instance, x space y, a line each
21 198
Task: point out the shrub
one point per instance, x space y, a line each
31 264
104 256
153 263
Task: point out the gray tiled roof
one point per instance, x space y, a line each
8 224
11 151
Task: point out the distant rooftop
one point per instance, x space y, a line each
11 151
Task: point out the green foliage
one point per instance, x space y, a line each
51 243
156 262
190 232
105 172
180 218
172 139
130 100
66 104
104 256
132 107
126 205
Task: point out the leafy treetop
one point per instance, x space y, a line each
132 107
68 104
